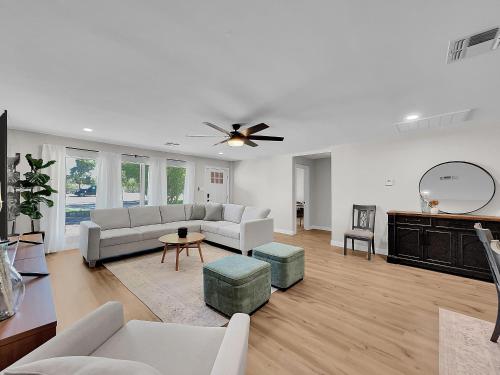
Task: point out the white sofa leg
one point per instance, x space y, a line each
92 263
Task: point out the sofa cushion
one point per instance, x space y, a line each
253 213
120 236
111 218
170 348
191 225
233 212
83 366
213 226
231 230
147 215
213 212
172 212
150 232
197 212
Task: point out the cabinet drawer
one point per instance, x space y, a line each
417 220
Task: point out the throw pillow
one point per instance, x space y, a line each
213 212
83 366
197 212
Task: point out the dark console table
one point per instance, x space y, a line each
440 242
35 322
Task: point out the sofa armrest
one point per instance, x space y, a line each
83 337
90 238
254 233
232 356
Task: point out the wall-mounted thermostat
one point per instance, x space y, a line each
389 182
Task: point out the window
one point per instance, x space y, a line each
216 177
176 180
134 184
80 192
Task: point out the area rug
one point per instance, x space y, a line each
465 347
173 296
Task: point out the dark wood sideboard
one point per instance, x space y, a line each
35 322
440 242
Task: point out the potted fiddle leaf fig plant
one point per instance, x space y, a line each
35 190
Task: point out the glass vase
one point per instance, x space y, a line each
11 284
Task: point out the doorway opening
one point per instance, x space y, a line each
312 192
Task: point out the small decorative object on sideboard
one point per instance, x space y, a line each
433 204
182 232
11 283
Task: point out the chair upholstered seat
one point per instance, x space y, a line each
156 344
364 234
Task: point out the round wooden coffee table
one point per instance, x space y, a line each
193 240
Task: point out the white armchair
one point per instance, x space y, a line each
169 348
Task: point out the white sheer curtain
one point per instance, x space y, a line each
53 220
157 183
109 180
189 183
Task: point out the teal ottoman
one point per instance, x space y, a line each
287 263
236 284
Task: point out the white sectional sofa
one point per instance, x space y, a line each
120 231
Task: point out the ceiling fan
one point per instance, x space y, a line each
237 137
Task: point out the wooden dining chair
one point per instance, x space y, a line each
363 227
492 249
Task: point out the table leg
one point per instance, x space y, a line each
187 250
164 252
201 255
178 250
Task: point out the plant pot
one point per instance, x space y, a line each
434 210
11 285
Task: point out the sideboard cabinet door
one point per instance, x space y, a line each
409 242
439 246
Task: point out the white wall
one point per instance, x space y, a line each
26 142
359 172
321 194
267 183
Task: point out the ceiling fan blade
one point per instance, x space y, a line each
265 138
203 136
213 126
248 142
221 142
254 129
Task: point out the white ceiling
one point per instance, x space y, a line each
318 72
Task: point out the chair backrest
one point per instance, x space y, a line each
363 217
493 256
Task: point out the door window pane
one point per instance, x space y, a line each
80 192
176 179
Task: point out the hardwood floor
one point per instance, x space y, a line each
348 316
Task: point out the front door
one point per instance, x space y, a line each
217 185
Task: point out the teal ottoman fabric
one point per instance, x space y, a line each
287 262
236 284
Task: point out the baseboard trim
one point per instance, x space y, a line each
320 227
284 231
359 248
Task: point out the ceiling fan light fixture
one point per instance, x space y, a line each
235 142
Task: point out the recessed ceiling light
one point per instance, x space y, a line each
88 130
412 117
221 153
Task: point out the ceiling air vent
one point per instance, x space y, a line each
473 45
443 120
171 144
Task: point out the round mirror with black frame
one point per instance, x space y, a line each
457 187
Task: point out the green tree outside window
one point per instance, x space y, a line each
176 177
